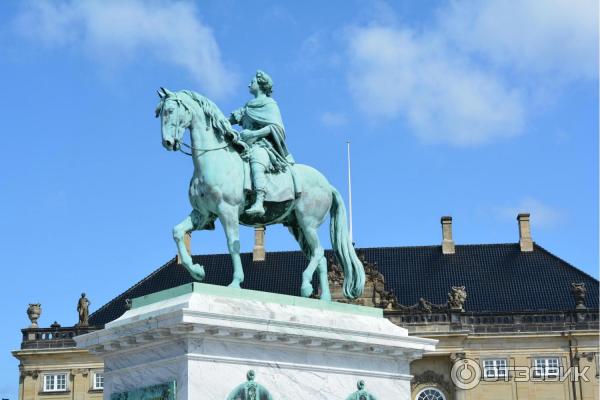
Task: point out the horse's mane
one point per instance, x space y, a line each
214 115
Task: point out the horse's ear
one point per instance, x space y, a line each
162 92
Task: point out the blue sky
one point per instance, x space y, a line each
477 110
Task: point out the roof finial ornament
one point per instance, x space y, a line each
33 312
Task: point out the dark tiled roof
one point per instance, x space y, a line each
497 277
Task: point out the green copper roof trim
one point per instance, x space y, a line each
223 291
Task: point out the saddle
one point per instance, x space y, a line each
281 186
282 190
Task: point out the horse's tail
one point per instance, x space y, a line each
354 273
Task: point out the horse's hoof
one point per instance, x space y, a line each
197 272
306 290
234 284
325 297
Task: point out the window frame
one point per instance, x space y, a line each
500 372
546 370
55 380
430 388
95 375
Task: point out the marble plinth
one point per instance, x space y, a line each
206 338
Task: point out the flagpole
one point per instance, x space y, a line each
349 191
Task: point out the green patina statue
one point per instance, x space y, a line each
250 390
264 133
228 163
361 393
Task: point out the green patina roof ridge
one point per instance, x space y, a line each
254 295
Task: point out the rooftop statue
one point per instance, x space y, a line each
83 309
250 178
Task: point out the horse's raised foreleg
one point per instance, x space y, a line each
193 222
229 219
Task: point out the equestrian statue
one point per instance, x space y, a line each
249 177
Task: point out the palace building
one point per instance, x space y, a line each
513 320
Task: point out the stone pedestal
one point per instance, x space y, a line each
207 338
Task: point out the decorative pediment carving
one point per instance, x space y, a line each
457 298
431 378
578 291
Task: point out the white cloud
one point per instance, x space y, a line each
470 76
114 32
558 37
444 97
333 119
542 215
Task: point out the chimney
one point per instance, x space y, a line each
187 239
258 253
447 242
525 241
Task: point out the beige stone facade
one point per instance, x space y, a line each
52 368
519 350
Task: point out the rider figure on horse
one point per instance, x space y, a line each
264 133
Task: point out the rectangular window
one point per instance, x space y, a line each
98 381
495 368
546 367
55 382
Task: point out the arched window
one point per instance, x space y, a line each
430 394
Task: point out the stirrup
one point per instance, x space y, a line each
255 210
258 208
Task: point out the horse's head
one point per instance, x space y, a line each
175 118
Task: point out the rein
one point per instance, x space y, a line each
202 150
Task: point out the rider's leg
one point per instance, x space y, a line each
259 160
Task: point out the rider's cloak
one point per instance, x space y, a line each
261 112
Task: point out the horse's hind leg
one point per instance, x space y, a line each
192 222
316 255
324 279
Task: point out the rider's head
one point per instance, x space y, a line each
264 82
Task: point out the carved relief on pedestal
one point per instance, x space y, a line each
361 393
250 390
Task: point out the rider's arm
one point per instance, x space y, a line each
236 117
252 136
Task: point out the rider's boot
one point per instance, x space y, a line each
257 208
260 183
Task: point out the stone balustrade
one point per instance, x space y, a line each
52 337
534 321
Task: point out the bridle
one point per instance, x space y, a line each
179 104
